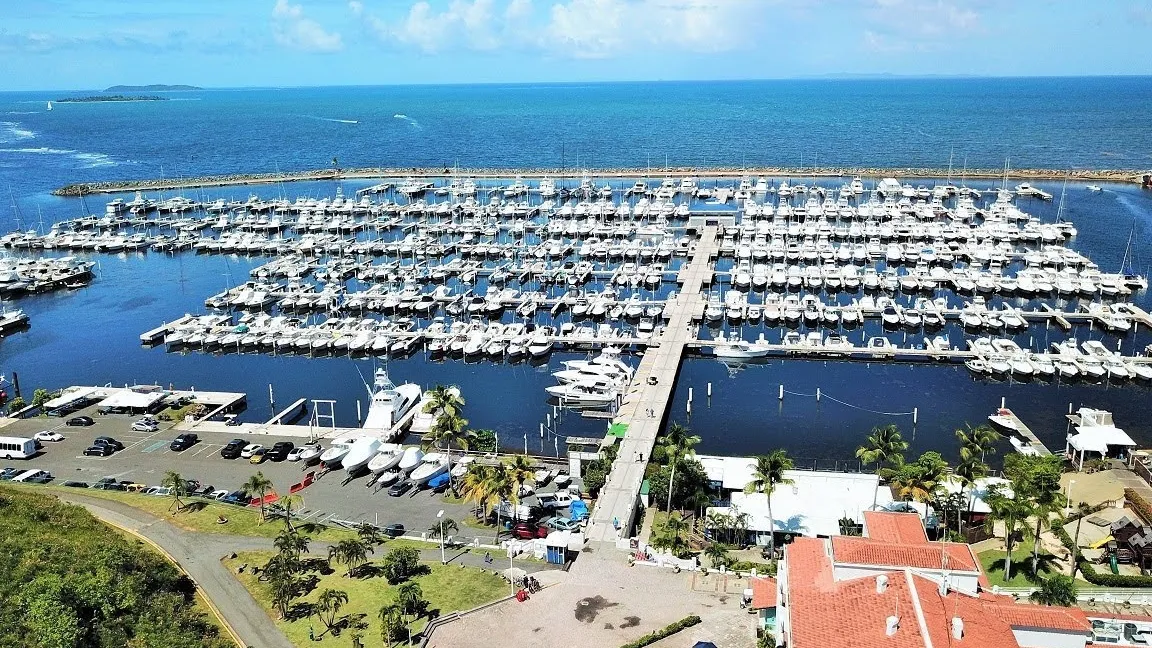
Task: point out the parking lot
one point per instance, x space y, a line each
146 458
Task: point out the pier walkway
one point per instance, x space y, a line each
646 401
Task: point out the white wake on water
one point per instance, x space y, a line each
403 117
89 160
15 132
332 119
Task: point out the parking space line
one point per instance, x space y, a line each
207 447
142 440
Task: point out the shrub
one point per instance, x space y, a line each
400 564
762 569
666 631
1138 504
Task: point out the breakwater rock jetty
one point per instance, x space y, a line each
155 184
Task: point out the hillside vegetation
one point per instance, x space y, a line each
69 581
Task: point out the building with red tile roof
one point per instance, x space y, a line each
890 590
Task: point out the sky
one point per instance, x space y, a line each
86 44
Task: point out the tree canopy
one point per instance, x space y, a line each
71 583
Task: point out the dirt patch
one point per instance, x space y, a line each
630 622
589 607
609 626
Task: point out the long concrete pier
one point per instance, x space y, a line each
646 402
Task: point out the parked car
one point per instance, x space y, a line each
31 475
233 449
99 451
145 425
108 441
184 441
107 483
555 500
400 488
394 530
294 454
80 421
48 435
75 484
43 477
280 450
237 497
218 494
249 449
258 456
561 524
9 473
526 531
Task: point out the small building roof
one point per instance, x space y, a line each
812 504
952 556
901 528
1097 438
763 592
71 395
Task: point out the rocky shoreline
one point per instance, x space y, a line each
81 188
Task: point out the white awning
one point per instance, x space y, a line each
131 399
67 397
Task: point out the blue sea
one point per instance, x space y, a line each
90 335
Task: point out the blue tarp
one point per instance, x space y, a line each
578 510
439 480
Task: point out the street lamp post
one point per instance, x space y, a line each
440 519
1068 497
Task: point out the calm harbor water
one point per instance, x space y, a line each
90 335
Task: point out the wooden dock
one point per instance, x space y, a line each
645 403
1026 432
288 412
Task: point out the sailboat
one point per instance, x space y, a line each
1132 280
49 105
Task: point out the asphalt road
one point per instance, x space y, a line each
147 457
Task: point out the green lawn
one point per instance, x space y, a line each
201 515
448 588
993 562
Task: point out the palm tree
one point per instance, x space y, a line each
444 400
291 545
391 623
677 442
352 552
502 489
449 428
448 524
768 474
717 553
369 534
968 473
486 486
288 503
1011 511
519 470
410 598
329 604
884 447
977 441
177 486
1056 590
258 486
1083 510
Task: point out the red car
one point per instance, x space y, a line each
526 531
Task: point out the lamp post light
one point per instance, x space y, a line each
672 480
1068 497
440 519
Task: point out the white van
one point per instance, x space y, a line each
17 448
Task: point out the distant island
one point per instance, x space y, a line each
104 98
156 87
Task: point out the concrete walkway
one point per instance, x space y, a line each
198 554
645 404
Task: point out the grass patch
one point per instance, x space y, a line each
199 514
993 563
447 588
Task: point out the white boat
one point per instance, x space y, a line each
310 451
390 403
1003 418
1024 447
581 394
462 465
1090 187
388 477
360 453
410 460
387 457
432 465
738 349
335 452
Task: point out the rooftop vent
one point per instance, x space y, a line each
957 628
881 583
892 625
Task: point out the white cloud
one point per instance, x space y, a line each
899 25
572 28
291 28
